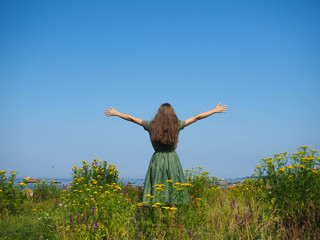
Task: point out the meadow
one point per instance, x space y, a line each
280 201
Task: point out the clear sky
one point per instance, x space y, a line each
62 63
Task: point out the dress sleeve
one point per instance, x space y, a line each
182 124
146 125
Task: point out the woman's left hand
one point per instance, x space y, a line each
110 112
221 109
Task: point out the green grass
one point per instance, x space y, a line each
95 206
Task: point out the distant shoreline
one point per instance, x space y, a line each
132 181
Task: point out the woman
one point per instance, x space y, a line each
165 167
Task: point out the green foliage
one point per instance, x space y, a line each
44 191
94 206
37 220
11 196
291 182
98 171
94 200
200 182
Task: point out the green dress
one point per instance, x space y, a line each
164 165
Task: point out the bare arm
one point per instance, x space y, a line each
217 109
113 112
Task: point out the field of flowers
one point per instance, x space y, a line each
280 201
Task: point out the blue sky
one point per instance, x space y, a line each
62 63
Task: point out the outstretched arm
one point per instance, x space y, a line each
217 109
113 112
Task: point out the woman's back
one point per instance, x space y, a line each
157 146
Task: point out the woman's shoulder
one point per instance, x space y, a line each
146 125
182 124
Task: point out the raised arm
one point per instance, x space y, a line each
113 112
217 109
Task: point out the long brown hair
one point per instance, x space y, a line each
165 126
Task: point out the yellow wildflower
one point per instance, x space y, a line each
186 184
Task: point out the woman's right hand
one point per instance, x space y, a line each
110 112
221 109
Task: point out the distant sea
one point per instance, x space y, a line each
131 181
66 181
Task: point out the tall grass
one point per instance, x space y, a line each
95 206
291 184
11 195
